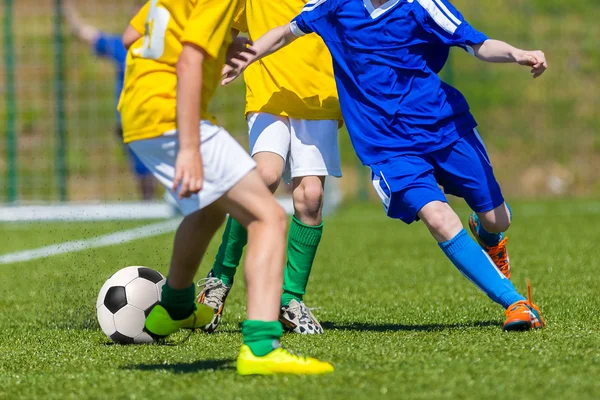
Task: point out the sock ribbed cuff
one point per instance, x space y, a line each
457 243
288 296
305 234
179 303
509 298
261 336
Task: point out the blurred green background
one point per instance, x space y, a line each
543 136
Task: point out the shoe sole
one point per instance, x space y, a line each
260 370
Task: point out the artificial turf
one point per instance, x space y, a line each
400 321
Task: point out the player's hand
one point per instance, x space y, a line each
189 174
236 63
534 59
230 73
239 49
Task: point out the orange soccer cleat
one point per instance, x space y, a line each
497 253
523 315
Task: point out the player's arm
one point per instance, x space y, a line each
135 29
82 30
188 167
269 43
496 51
131 36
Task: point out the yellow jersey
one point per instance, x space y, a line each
148 101
297 81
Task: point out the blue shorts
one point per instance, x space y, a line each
136 165
406 183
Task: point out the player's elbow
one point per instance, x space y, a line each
130 37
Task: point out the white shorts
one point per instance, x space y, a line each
225 163
308 147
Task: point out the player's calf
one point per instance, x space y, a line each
177 309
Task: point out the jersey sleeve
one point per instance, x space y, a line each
210 24
138 22
314 13
239 21
446 24
110 46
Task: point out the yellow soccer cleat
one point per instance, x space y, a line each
279 361
159 323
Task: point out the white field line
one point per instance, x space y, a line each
100 241
587 208
106 240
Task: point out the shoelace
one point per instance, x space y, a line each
499 254
303 312
214 291
296 356
527 304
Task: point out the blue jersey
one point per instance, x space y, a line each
111 47
385 62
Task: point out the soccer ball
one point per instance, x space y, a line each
125 301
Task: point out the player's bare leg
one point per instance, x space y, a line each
197 229
304 238
218 283
177 309
251 204
445 226
488 228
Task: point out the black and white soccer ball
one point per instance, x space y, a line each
125 301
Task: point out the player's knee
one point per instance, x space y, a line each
270 178
441 220
308 198
278 220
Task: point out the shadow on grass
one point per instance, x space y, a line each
370 327
185 368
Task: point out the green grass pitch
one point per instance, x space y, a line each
400 321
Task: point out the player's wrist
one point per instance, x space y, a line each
517 55
189 148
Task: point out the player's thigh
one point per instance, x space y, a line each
225 163
270 166
464 170
314 148
405 185
269 133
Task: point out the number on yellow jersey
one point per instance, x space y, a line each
157 22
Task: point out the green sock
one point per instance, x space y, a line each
261 336
303 241
179 303
230 252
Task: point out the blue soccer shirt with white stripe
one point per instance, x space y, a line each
386 61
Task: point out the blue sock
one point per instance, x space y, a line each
470 259
490 239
